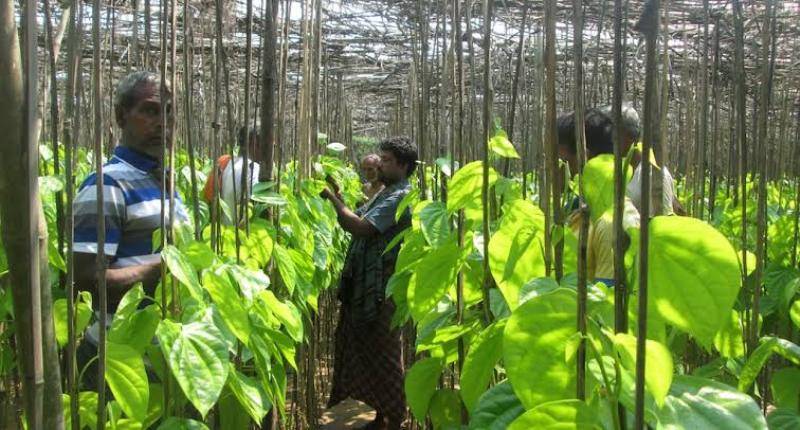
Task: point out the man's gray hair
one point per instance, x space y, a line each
630 120
125 96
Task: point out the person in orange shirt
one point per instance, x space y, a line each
225 179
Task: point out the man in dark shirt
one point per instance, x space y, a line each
368 364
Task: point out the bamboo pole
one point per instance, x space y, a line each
741 137
580 139
552 193
487 120
100 264
648 25
71 106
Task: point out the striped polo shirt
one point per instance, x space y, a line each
132 209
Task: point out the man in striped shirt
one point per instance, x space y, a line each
132 198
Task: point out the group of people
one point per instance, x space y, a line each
599 137
368 350
368 361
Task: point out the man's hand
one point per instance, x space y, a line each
329 195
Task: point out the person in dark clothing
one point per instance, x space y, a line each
368 362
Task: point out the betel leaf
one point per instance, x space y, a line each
180 267
435 223
534 342
250 394
465 188
435 273
658 363
769 345
408 201
200 255
786 388
286 313
175 423
83 313
197 357
420 384
137 330
500 145
700 403
484 352
286 267
515 250
562 414
127 379
729 341
445 408
496 408
693 275
232 415
598 184
229 303
794 313
783 419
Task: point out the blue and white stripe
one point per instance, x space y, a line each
132 210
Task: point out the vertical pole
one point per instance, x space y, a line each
649 25
97 106
577 41
487 121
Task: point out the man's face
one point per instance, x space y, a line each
369 168
141 125
390 169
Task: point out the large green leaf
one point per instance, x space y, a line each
496 408
783 419
598 184
786 388
484 352
729 341
249 393
534 343
445 408
420 384
515 250
768 346
435 274
693 275
83 313
286 313
175 423
435 223
229 303
232 415
700 403
500 145
465 188
137 330
180 267
197 356
658 363
562 414
127 379
794 313
200 255
286 267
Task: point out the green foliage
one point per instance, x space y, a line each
564 414
693 276
497 408
533 344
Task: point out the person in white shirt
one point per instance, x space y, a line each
228 172
631 130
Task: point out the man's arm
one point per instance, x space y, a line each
118 281
349 221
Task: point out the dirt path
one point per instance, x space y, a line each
349 414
